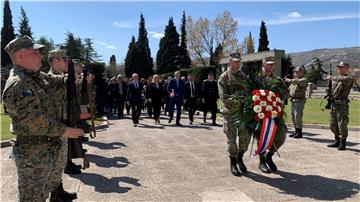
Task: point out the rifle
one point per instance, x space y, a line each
329 95
75 144
87 98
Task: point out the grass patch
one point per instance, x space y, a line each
5 125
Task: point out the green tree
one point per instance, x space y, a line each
315 72
7 34
144 60
263 40
287 67
167 55
90 55
249 44
73 46
24 28
49 45
130 60
184 58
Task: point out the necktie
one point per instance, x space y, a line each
136 85
177 83
120 88
192 89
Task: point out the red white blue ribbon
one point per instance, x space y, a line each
267 134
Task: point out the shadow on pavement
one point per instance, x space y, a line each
311 186
100 161
327 141
106 146
108 185
142 125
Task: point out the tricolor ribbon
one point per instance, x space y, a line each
267 134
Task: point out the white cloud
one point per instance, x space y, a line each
294 14
156 35
295 17
124 24
106 45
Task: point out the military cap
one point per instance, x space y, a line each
235 57
299 69
21 42
57 54
210 74
343 64
269 60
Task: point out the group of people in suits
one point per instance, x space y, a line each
175 93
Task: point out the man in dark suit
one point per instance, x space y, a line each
120 95
134 98
210 94
191 94
176 92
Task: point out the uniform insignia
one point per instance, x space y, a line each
26 93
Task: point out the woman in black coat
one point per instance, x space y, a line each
156 96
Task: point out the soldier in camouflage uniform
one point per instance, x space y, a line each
228 85
297 91
267 77
27 98
339 114
58 66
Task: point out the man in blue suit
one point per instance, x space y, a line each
176 92
134 98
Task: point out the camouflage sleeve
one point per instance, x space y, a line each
301 82
344 83
25 108
57 82
225 98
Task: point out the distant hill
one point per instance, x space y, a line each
350 55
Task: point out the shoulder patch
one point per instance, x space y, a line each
26 93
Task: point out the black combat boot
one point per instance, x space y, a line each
241 163
233 167
60 193
342 146
270 162
336 144
214 122
298 134
262 165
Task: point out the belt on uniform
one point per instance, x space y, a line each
36 140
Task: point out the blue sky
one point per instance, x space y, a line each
292 26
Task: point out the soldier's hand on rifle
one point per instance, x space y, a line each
203 100
329 77
77 77
90 78
73 132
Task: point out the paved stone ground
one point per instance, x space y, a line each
190 163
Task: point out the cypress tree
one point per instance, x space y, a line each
7 34
144 60
130 60
24 28
263 40
167 55
184 58
249 44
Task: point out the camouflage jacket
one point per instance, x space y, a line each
297 88
59 99
27 99
273 83
342 87
229 83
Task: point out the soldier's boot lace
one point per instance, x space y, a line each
262 165
233 167
342 146
270 162
299 133
336 144
241 163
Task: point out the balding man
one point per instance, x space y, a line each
134 98
27 98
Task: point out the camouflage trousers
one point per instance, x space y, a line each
232 132
297 109
34 164
339 119
59 166
279 138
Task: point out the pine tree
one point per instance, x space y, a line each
287 67
249 44
216 56
24 28
90 55
113 71
130 60
184 58
263 40
144 60
167 55
7 34
73 46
